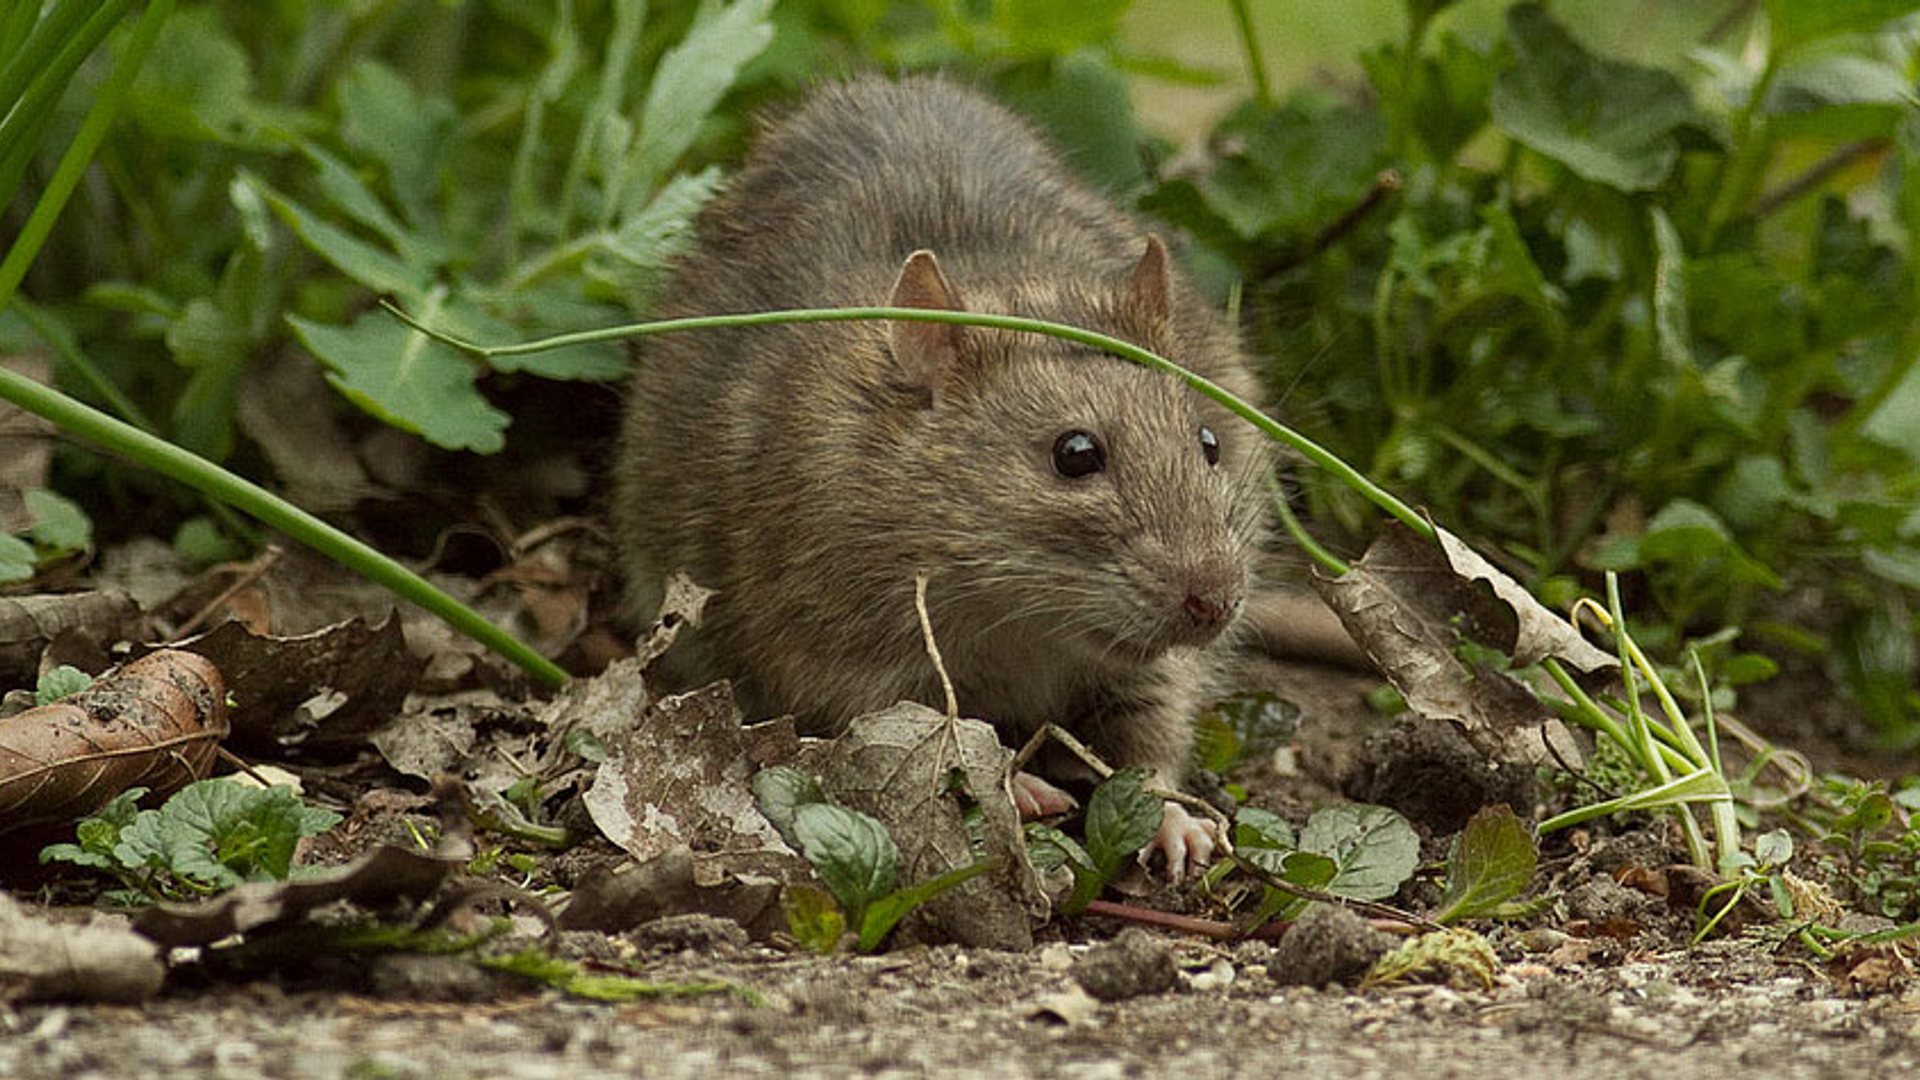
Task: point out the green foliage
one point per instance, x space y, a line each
1867 842
1122 816
1243 728
56 529
855 858
208 837
1492 861
1617 315
1358 851
60 682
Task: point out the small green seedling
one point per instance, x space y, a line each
1121 817
1492 861
1356 851
857 862
208 837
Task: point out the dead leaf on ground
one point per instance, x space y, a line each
620 898
280 407
1408 607
156 722
100 959
902 765
29 624
680 775
318 692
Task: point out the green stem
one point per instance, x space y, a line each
66 175
1256 63
1334 563
202 475
1306 447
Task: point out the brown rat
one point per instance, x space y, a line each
1088 526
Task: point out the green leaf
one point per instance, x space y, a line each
99 833
406 379
1493 860
1374 847
200 542
1087 110
59 525
1773 848
781 790
1048 848
16 559
884 913
635 260
1670 292
197 84
1297 168
1055 27
1121 817
1257 828
813 918
852 853
411 136
1610 122
356 258
1796 22
351 195
1871 814
1447 103
690 81
1242 728
60 682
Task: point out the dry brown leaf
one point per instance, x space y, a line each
1409 607
157 722
99 960
317 692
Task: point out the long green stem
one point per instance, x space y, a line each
1256 62
66 175
1306 447
203 475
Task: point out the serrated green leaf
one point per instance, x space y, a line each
410 135
1613 123
852 853
635 259
60 682
1121 817
690 80
59 525
98 834
781 790
1493 860
197 83
406 379
356 258
1374 847
1796 22
1056 27
352 196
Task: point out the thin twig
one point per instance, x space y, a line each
249 573
1383 185
1818 173
1370 907
933 647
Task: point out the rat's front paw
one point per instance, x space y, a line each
1035 798
1183 840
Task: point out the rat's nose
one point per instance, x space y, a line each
1207 609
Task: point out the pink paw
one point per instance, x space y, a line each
1184 841
1034 797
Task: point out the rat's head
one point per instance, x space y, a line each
1097 504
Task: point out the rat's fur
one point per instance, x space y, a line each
806 472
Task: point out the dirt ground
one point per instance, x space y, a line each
1599 982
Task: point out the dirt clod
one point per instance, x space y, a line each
1329 944
1131 965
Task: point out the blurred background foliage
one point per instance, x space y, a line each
1610 284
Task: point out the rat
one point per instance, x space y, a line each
1087 527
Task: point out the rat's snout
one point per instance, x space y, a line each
1213 597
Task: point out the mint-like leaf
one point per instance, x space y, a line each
1374 847
852 853
1121 817
1493 860
780 791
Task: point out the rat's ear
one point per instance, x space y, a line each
1150 285
927 352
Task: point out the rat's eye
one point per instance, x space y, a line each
1210 446
1078 454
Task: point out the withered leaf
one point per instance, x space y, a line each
1409 609
99 960
323 691
678 775
156 721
